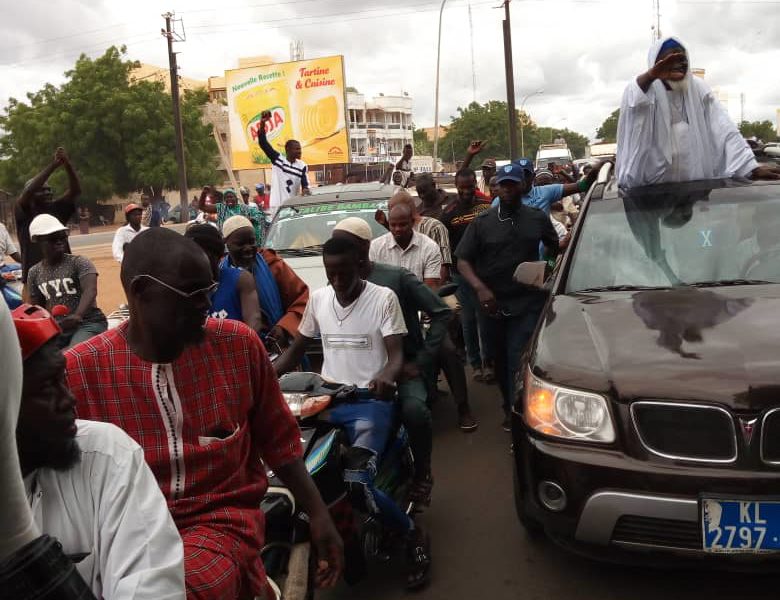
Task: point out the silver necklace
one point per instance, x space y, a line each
349 312
502 219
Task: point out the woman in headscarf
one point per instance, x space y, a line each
281 293
229 206
672 128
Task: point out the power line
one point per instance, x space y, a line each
313 20
132 41
296 19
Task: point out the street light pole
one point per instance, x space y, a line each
522 104
436 102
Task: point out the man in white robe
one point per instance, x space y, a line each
672 128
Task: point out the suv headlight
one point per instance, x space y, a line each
565 413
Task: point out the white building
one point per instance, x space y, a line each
380 127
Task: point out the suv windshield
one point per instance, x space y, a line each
310 225
682 234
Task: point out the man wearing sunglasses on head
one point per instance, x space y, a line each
64 279
37 198
202 399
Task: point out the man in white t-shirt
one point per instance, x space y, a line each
289 174
404 247
362 327
127 232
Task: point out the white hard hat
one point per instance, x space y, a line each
44 225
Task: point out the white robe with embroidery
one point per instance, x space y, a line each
686 135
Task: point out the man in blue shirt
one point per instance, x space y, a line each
544 196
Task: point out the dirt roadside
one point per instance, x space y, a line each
110 292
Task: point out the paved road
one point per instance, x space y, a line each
106 237
480 551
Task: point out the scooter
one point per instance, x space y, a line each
286 554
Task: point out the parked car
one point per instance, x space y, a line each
304 223
648 418
772 149
174 215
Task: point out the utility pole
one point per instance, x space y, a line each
179 132
473 68
510 83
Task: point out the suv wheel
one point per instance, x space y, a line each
532 527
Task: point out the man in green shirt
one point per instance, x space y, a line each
419 350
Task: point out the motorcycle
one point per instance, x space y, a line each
11 284
287 555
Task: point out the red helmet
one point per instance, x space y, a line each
34 326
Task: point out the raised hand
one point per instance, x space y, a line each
671 67
476 147
60 156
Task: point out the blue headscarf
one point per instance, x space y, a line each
267 290
669 44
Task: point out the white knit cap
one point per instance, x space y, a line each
233 223
356 226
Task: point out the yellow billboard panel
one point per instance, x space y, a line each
307 101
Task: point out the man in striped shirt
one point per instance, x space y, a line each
288 173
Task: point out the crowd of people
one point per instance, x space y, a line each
156 488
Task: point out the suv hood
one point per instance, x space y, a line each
710 344
308 268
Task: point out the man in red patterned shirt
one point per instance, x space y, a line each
201 397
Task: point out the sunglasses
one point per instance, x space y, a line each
187 295
56 237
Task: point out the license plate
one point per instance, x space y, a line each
740 526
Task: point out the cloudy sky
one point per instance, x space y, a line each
580 52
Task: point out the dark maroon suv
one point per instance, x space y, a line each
648 416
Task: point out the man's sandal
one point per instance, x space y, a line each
418 557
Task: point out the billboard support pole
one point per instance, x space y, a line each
224 156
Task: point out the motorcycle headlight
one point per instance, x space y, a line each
566 413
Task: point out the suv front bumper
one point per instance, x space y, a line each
616 503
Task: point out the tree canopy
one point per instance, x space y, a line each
762 130
608 130
119 135
489 122
422 145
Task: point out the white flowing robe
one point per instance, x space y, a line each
677 135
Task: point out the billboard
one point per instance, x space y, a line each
307 101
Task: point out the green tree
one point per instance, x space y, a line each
477 122
119 134
608 130
490 122
422 145
763 130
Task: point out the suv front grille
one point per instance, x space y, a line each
693 432
648 531
770 437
